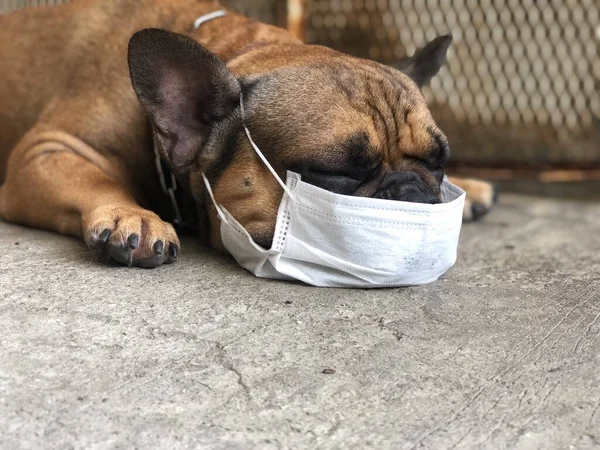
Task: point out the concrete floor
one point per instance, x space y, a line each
503 352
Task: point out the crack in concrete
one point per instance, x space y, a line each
445 423
225 361
397 333
583 302
243 335
586 333
593 413
334 428
472 427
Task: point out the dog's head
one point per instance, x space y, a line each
351 126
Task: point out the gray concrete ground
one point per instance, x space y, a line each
501 353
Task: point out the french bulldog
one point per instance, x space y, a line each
91 91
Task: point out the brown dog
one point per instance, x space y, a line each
76 144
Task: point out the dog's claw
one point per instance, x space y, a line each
133 241
103 238
158 247
173 253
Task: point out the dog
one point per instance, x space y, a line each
91 90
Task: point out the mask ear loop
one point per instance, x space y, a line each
212 197
262 157
260 154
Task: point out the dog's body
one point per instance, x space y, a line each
76 145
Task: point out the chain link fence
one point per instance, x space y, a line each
11 5
522 83
523 76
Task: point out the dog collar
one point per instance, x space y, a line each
168 181
207 17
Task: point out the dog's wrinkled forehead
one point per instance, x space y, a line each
318 107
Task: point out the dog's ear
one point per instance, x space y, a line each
427 61
184 88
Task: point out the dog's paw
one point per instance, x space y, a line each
131 235
481 197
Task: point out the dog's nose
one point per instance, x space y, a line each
407 187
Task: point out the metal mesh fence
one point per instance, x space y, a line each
10 5
523 76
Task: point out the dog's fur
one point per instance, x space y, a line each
76 143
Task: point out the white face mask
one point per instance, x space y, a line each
332 240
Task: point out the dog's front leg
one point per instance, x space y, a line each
481 196
50 185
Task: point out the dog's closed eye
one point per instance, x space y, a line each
333 182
